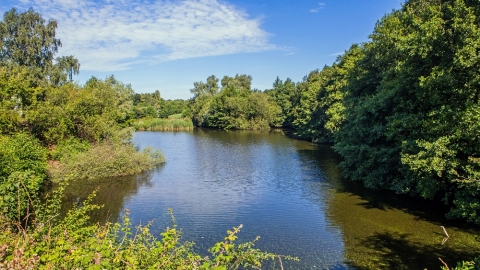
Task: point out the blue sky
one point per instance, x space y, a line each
168 45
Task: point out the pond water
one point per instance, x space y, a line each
289 192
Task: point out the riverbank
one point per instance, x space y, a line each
103 160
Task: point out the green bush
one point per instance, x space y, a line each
23 169
21 152
70 147
73 243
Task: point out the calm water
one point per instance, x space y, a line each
287 191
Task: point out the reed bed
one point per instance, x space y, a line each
161 124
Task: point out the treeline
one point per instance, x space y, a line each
234 105
154 106
50 127
402 109
54 130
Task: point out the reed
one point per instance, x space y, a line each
105 160
175 123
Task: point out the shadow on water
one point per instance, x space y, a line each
384 230
393 247
111 193
288 191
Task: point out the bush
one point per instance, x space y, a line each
73 243
23 169
22 152
68 148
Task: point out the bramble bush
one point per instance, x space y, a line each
73 242
23 169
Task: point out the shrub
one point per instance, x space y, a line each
70 147
23 169
73 243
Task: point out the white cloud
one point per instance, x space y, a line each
108 35
320 6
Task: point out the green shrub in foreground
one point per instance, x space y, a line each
23 169
74 243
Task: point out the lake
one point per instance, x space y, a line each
287 191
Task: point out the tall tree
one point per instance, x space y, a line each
412 105
27 39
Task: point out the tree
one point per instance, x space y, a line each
235 106
412 106
26 39
284 95
69 65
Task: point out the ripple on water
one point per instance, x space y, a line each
288 192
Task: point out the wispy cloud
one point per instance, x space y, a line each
336 54
320 6
108 35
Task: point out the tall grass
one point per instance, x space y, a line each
105 160
173 123
176 116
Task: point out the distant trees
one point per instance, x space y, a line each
153 105
234 106
68 66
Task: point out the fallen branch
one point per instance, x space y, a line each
445 231
444 263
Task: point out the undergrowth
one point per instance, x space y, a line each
104 160
44 241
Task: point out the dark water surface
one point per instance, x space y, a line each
287 191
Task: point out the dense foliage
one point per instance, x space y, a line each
154 106
233 106
412 106
402 109
49 125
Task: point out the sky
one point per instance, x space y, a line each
167 45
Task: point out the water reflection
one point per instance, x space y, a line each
215 180
110 192
383 230
290 192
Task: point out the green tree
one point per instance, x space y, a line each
235 106
284 95
26 39
68 65
412 105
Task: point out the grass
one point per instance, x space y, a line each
173 123
105 160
